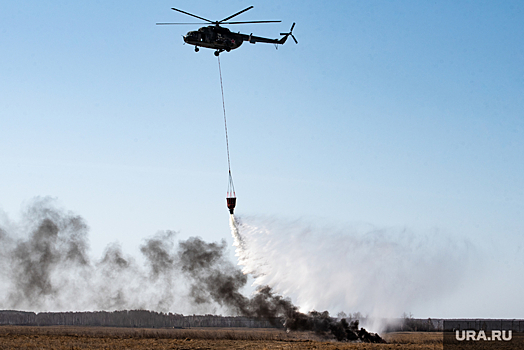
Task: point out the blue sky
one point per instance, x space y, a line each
396 114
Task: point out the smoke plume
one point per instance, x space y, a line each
45 266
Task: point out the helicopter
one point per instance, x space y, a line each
222 39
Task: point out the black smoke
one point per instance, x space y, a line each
49 269
55 241
215 278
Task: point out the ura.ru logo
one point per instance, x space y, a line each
496 335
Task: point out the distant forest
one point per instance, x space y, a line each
131 318
152 319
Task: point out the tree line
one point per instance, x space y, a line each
131 318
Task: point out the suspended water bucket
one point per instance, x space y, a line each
231 203
231 198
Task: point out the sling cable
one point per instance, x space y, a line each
231 197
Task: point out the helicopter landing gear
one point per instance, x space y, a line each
217 53
197 49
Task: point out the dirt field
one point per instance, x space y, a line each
27 337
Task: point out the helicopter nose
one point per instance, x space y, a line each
189 36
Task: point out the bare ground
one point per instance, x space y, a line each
67 337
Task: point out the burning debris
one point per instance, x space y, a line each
324 325
266 304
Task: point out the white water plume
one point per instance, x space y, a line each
381 272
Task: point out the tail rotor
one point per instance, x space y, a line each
283 40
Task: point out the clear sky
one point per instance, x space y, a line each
396 114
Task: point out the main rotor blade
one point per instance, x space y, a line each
162 24
236 14
250 22
190 14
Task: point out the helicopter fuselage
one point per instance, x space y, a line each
215 37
